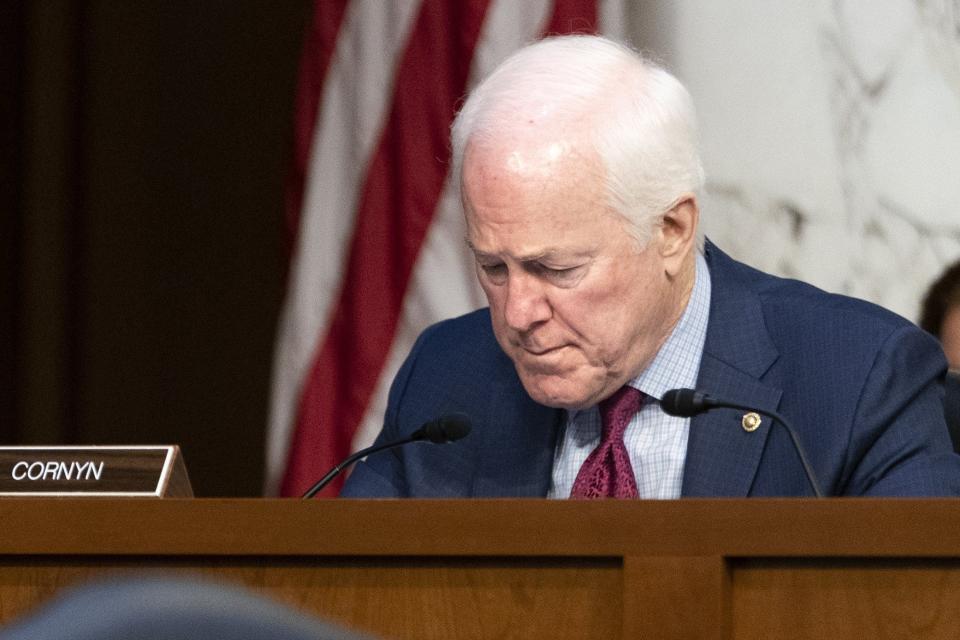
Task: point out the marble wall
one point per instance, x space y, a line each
830 131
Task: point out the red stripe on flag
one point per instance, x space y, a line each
573 16
403 187
321 40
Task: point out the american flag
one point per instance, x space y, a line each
376 234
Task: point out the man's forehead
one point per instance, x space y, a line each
537 160
525 156
547 177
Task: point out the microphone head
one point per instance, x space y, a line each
684 403
449 427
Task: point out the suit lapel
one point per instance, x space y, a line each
722 457
516 456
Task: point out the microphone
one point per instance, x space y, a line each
447 428
686 403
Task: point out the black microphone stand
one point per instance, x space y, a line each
333 473
786 425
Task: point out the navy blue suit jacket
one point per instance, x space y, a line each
861 386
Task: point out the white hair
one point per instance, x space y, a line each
638 117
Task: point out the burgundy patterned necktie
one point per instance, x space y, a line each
607 472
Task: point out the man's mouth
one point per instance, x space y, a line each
540 351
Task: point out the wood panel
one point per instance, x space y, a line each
846 599
12 56
141 162
525 568
478 599
680 528
686 598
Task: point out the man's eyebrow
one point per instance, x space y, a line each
477 252
549 252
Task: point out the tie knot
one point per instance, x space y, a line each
617 411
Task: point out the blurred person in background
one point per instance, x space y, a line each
940 313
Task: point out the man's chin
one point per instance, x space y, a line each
560 393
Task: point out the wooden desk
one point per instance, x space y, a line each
524 568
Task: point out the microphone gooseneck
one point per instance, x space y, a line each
686 403
447 428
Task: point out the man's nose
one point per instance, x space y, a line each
526 303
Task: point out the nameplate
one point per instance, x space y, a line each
109 471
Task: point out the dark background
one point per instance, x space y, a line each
142 154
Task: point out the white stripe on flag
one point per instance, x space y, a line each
353 108
612 19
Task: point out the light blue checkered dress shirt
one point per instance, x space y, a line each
657 443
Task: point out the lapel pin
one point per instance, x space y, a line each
751 422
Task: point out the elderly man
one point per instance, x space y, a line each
579 172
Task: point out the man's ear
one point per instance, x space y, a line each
679 233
